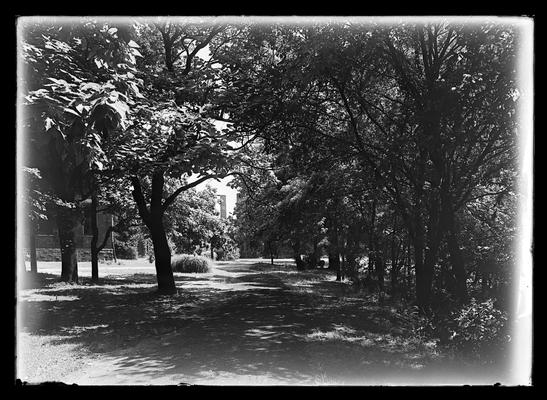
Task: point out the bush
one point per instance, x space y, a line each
191 263
125 251
229 253
478 327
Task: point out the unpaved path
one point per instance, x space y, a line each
242 324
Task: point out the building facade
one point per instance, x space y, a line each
47 240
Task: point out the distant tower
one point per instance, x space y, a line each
222 202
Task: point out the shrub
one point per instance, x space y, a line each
229 253
125 251
478 327
191 263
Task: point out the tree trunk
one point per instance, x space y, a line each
408 274
371 240
68 221
380 272
297 257
456 257
94 266
423 287
153 219
458 268
341 267
430 260
351 269
168 48
379 263
395 251
271 252
426 246
339 271
394 278
334 260
112 239
314 259
162 254
334 249
32 247
394 267
94 240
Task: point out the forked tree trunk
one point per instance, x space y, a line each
153 219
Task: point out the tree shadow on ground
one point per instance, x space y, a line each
239 321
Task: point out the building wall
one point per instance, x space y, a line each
54 254
47 245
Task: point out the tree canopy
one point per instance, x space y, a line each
387 148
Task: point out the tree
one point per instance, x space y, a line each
35 201
112 195
192 219
459 79
425 111
78 78
168 138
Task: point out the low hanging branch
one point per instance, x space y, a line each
169 200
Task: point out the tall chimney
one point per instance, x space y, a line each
222 202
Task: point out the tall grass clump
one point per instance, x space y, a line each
191 263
